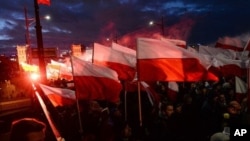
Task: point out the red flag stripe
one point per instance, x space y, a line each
45 2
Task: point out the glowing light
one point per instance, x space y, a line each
47 17
34 76
151 22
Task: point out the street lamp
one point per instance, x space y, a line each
159 24
28 23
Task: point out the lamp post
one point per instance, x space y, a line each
27 35
28 23
39 37
159 24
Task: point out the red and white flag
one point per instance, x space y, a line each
173 89
123 63
162 61
95 82
45 2
229 67
123 49
240 89
230 43
66 73
154 98
59 96
226 53
240 86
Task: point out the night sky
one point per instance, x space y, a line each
89 21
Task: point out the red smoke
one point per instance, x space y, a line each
109 31
180 30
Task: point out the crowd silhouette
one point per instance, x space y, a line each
196 112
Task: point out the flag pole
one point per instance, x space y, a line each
139 103
248 87
138 87
245 47
47 115
125 100
77 99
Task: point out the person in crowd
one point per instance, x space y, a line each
235 116
219 136
27 129
165 123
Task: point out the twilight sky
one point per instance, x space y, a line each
89 21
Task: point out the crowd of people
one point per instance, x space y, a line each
197 111
200 111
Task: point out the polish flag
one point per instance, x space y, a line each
66 73
122 63
52 70
95 82
154 98
162 61
59 96
240 89
64 69
226 53
123 49
230 43
45 2
229 67
173 89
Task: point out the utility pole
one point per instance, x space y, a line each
39 37
27 36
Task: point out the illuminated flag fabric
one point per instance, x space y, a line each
240 85
123 49
225 53
64 70
162 61
52 71
59 96
229 67
95 82
240 89
45 2
154 98
122 63
230 43
65 73
172 91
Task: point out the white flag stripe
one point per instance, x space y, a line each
67 93
121 48
92 69
240 85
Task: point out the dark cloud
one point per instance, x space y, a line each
88 21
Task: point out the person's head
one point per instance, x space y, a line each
27 129
178 108
219 137
168 109
234 107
